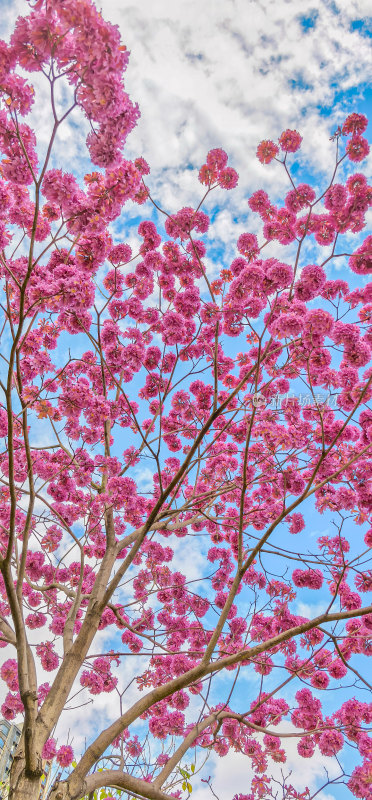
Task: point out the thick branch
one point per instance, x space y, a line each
98 747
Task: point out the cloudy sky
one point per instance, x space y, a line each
228 73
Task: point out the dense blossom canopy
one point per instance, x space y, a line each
147 403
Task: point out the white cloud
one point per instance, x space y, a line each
228 74
219 74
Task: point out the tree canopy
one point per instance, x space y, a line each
170 434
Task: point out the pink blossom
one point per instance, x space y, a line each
216 159
121 253
49 750
299 197
65 755
49 659
12 706
354 124
306 747
356 183
266 151
247 245
360 781
361 261
228 178
319 680
335 197
297 523
290 141
9 674
162 759
311 578
330 742
357 148
259 201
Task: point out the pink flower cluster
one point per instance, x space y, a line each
64 755
311 578
215 171
99 679
289 142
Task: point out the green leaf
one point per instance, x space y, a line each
192 768
189 787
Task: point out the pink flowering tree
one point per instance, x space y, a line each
119 364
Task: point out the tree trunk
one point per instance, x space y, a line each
22 786
25 788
